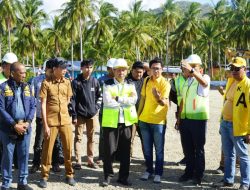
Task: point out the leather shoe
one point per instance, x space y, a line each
43 183
184 178
24 187
56 168
106 182
93 165
34 169
124 182
71 181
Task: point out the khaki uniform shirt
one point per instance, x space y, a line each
57 94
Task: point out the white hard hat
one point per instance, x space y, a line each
194 59
10 58
120 63
111 62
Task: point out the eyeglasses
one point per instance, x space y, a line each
233 68
156 68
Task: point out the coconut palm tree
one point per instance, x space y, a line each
55 34
239 24
8 13
188 31
30 17
79 11
168 18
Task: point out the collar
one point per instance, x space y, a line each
54 80
117 82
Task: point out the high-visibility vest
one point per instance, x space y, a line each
110 117
2 78
195 107
179 82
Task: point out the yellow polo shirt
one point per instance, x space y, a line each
152 111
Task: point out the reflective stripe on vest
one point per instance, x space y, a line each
179 82
110 117
194 106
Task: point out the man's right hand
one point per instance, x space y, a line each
47 132
74 121
20 128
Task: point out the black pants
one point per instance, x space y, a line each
57 154
101 140
193 137
117 139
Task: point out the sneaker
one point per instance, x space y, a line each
243 187
220 170
56 168
43 183
182 162
226 184
124 182
145 176
71 181
185 178
93 165
106 182
24 187
34 169
77 166
157 179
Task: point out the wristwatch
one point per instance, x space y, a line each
192 71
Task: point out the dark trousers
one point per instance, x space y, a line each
193 137
101 141
57 154
117 139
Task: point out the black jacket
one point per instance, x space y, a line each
87 97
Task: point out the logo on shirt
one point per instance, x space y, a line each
8 91
27 91
92 89
242 100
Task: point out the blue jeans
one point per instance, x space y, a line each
153 134
22 156
230 145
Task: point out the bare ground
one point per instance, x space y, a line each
91 178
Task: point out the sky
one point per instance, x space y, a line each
51 5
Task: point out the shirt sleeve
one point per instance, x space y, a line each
107 98
131 100
44 89
143 89
204 91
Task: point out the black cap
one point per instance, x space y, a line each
60 62
86 62
137 64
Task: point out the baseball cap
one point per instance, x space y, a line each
60 62
111 62
10 58
238 62
137 64
120 63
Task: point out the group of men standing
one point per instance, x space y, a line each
124 104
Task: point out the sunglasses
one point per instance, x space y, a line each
232 68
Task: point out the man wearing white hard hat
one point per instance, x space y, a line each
8 59
102 80
119 114
192 118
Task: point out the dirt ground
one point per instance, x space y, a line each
91 178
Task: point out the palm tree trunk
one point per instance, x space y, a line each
211 59
72 56
81 52
9 40
27 60
192 48
167 37
33 62
219 61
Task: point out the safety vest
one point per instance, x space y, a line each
179 82
2 78
110 117
195 107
